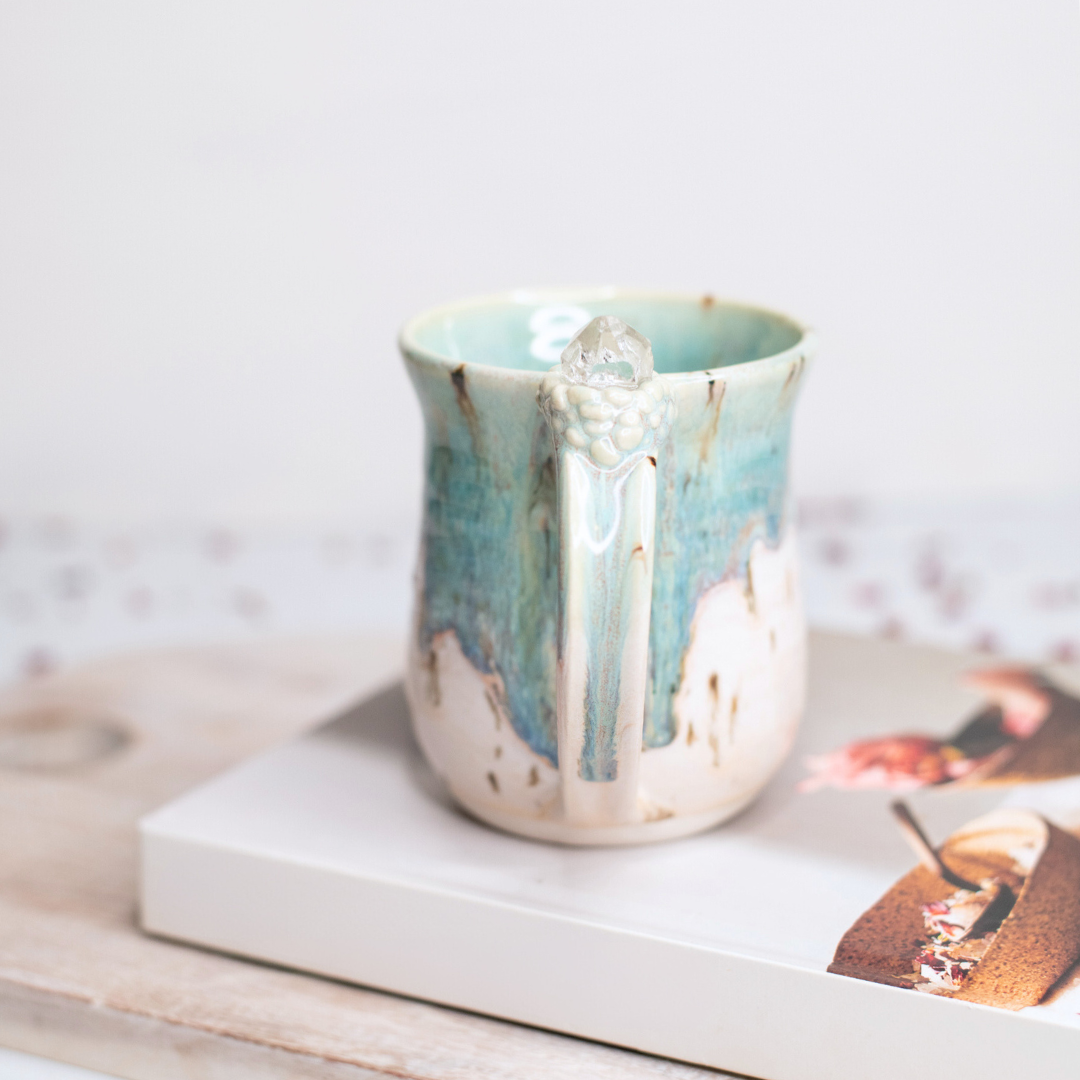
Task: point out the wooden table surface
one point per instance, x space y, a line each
83 755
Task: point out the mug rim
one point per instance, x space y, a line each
805 346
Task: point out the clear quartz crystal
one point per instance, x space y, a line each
607 352
604 400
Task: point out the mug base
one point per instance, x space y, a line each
557 831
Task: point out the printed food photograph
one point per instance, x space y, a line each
992 916
1029 731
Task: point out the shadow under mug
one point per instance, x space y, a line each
606 647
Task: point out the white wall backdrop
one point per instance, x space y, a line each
214 216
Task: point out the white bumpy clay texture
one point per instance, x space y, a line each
603 398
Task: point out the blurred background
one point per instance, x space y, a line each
215 216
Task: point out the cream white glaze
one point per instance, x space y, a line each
742 692
737 709
462 727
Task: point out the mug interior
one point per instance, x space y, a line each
528 331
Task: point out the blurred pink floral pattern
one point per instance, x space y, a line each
1003 580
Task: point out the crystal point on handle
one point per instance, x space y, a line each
607 352
604 398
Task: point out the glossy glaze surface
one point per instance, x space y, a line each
489 565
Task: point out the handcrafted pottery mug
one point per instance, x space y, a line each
608 643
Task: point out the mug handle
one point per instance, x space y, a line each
607 426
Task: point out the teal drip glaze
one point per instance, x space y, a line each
490 542
607 614
490 555
721 486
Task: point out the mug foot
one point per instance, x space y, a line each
558 831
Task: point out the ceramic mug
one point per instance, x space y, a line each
608 643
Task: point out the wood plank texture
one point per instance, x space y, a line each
82 756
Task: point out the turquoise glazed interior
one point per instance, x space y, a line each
687 333
489 554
